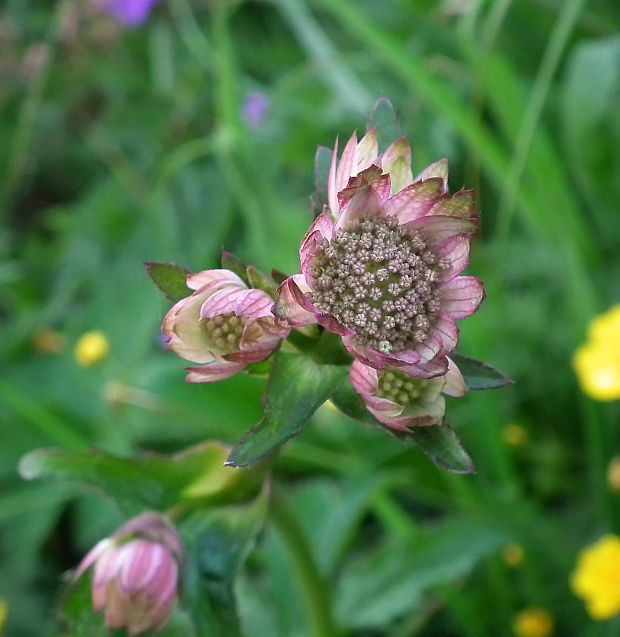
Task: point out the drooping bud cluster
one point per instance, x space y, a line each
136 574
379 278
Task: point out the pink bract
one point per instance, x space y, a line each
382 265
223 326
136 574
402 401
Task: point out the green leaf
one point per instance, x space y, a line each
236 265
393 578
479 375
195 476
443 447
438 442
217 542
384 117
170 279
297 387
322 163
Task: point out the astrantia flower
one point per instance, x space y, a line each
223 326
597 362
402 401
596 579
136 574
383 272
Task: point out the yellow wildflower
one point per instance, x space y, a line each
533 622
4 613
513 555
91 348
515 435
597 362
613 474
596 578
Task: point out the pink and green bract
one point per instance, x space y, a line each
401 401
223 326
381 266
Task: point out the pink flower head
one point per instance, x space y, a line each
401 401
136 574
383 270
223 325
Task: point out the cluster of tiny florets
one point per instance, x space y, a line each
400 388
224 331
379 279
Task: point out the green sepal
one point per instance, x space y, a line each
236 265
170 279
322 163
297 387
479 375
383 116
191 478
261 281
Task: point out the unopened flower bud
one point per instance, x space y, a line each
136 574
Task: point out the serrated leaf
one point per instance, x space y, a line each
383 116
438 442
443 447
170 279
479 375
236 265
297 387
322 162
156 482
217 542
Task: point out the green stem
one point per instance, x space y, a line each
313 583
41 420
564 26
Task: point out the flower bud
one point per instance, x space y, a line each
400 400
136 574
223 326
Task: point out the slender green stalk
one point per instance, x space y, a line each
309 33
314 585
41 420
564 26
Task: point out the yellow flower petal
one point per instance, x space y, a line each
533 622
91 348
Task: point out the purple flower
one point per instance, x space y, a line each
136 574
401 401
131 13
380 266
223 325
255 107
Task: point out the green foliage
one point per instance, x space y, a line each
170 279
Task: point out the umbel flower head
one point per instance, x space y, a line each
596 578
402 401
380 266
136 574
223 326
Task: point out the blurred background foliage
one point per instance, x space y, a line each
197 131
